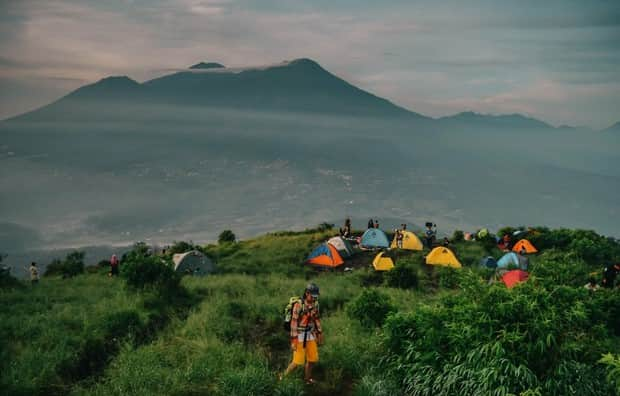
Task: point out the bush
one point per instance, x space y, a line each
150 272
71 266
458 236
371 308
8 281
226 236
403 276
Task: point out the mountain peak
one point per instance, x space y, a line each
116 81
207 65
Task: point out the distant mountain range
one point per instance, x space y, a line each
301 85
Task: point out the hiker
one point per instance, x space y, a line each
522 251
306 333
114 265
403 227
371 224
591 285
446 242
430 234
506 241
399 239
347 228
377 223
609 275
34 273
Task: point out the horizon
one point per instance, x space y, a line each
558 64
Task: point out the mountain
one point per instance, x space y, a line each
504 121
301 85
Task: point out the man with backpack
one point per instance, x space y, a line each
305 332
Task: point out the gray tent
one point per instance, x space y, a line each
342 245
192 263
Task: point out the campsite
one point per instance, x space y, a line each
399 321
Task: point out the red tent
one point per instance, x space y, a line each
511 278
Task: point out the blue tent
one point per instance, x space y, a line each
513 259
374 238
488 262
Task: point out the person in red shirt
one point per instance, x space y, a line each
114 265
306 332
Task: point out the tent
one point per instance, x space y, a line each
512 259
488 262
410 241
444 257
382 263
524 243
374 238
511 278
325 255
342 245
192 262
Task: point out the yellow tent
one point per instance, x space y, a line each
382 263
442 256
410 241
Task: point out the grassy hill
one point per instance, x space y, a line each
415 330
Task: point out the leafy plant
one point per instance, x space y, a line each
371 308
226 236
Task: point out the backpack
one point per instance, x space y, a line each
288 311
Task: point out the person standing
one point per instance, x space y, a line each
609 276
34 273
371 224
306 333
399 238
114 264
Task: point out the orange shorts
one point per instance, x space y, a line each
309 353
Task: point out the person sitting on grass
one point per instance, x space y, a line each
306 332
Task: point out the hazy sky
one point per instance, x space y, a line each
555 60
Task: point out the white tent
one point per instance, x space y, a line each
342 246
192 263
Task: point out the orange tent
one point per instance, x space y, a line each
524 244
325 255
511 278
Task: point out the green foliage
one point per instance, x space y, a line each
150 272
181 247
371 308
226 236
458 236
404 276
71 266
325 226
612 364
593 248
491 340
8 281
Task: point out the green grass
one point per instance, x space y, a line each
66 330
231 341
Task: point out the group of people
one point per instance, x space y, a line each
610 273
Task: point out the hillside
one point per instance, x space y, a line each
421 327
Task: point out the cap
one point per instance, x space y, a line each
313 289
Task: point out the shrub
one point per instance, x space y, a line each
150 272
324 226
226 236
8 281
458 236
182 247
369 277
371 308
403 276
71 266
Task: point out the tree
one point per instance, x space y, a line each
226 236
